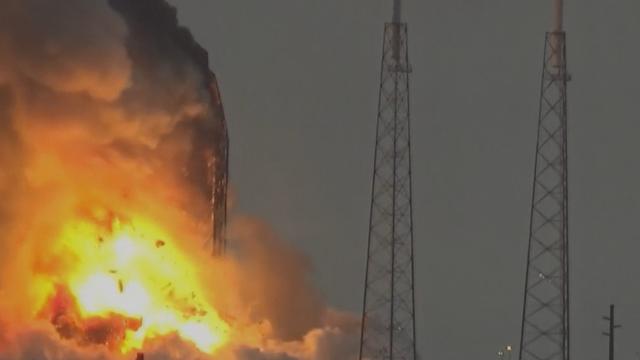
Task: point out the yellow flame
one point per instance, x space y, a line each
136 271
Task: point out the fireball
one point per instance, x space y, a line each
128 283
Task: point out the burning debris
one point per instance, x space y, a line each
109 131
109 330
130 302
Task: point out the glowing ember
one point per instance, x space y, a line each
121 289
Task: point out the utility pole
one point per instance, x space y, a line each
612 329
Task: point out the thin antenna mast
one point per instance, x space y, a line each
557 35
396 36
558 14
397 11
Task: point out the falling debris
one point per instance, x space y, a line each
111 137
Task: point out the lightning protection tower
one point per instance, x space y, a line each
545 316
388 316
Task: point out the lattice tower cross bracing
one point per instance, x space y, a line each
545 331
388 317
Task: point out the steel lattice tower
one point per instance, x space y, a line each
545 317
220 174
388 317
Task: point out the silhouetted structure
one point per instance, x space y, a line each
388 317
612 330
220 169
545 316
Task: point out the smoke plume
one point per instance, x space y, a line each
107 127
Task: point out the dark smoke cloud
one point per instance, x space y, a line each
42 342
73 46
157 33
171 60
107 104
256 354
281 285
10 156
97 110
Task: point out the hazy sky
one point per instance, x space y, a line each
299 80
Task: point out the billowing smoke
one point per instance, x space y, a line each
107 127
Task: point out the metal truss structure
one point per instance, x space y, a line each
388 317
220 177
545 317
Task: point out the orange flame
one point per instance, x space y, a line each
134 271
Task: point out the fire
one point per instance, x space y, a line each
130 278
113 169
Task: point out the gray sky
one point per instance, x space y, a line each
299 80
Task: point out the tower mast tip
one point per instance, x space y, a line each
397 11
558 14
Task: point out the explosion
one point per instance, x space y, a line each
110 139
129 276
